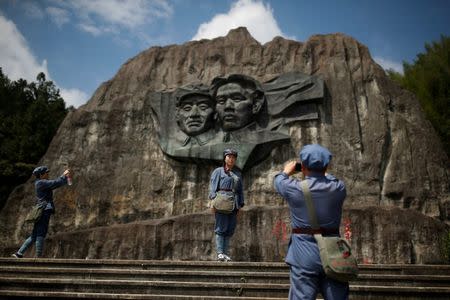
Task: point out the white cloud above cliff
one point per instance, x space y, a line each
74 97
255 15
388 64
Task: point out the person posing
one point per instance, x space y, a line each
44 194
226 179
307 276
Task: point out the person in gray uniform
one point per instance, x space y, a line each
226 179
307 276
44 195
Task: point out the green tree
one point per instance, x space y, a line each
30 114
429 78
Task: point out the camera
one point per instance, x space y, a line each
298 167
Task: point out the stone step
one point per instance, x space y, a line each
125 279
179 290
72 295
210 276
147 264
402 280
358 292
149 275
146 287
199 288
404 269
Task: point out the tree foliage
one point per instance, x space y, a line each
429 78
30 114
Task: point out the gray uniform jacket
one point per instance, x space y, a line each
220 180
328 194
44 190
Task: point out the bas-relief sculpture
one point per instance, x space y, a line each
196 121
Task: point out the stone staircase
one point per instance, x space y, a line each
144 279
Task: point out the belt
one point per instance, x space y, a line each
321 230
225 190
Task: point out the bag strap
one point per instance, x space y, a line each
235 181
41 201
310 205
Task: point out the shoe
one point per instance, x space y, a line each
17 255
220 257
226 257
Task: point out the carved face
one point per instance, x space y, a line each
195 114
235 106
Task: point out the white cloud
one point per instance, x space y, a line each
90 29
32 10
74 97
100 16
103 17
388 64
128 14
17 61
253 14
58 15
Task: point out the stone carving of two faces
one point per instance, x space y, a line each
230 103
235 111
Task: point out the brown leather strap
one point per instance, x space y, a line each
321 230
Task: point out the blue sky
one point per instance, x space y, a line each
81 43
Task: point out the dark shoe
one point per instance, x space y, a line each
17 255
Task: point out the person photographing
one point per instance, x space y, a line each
307 276
226 183
44 196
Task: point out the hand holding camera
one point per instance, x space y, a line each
292 167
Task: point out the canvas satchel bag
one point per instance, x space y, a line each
335 252
225 202
36 212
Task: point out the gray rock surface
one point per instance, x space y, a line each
379 235
384 149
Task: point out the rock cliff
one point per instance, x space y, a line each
126 189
